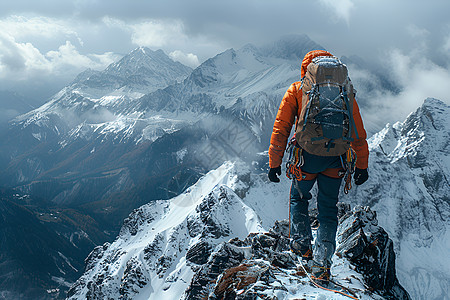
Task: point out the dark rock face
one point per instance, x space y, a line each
225 257
133 279
368 247
247 281
199 253
245 269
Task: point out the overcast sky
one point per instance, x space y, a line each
44 44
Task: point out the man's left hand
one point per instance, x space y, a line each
273 174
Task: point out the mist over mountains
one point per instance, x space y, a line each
146 128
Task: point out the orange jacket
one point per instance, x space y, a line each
290 108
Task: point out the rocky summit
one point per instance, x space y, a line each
208 244
262 267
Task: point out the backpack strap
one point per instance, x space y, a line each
350 116
312 92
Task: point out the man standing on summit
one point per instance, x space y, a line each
329 145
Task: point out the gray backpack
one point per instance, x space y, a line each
325 125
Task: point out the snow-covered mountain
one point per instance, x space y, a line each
106 129
97 98
151 250
408 192
146 128
189 247
409 187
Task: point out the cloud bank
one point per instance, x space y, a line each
47 45
417 78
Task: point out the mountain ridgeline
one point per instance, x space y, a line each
133 142
143 129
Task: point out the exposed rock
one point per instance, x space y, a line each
247 281
226 256
199 253
262 264
367 246
132 280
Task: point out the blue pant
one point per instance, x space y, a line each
327 198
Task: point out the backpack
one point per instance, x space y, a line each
325 124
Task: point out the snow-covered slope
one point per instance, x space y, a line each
182 248
104 122
148 259
409 187
97 98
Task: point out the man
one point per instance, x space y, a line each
317 166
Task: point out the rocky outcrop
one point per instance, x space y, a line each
368 247
262 264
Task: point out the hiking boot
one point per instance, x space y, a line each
320 274
302 250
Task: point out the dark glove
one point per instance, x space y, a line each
273 174
361 176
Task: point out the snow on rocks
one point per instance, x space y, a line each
207 243
154 255
408 186
261 265
368 247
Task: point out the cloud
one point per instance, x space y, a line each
417 32
157 33
447 44
22 26
189 59
170 35
151 33
21 59
16 58
418 78
444 49
340 8
38 74
39 29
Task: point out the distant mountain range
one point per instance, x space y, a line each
208 240
144 129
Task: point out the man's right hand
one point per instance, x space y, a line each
361 176
273 174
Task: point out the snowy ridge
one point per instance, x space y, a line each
147 261
409 187
97 99
177 249
122 100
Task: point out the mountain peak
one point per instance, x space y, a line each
292 46
144 61
431 116
145 51
142 70
424 131
434 103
